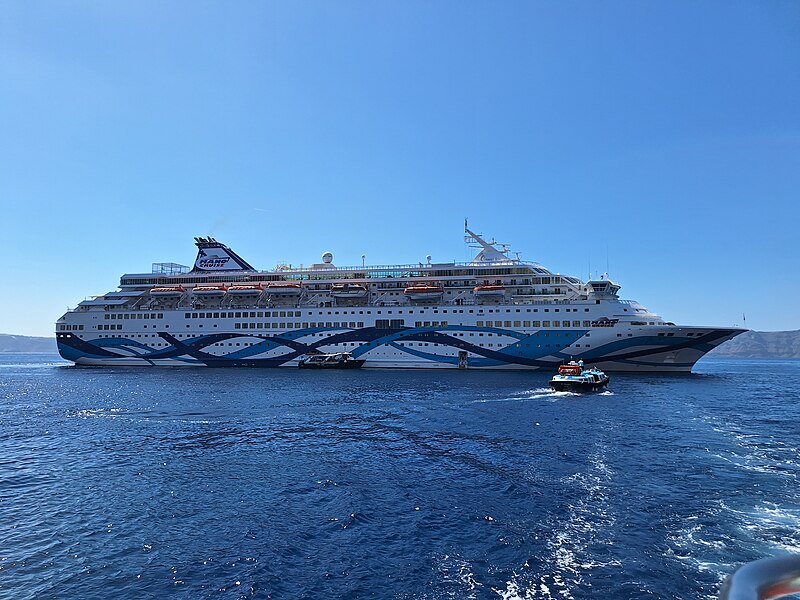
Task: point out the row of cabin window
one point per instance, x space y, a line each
239 314
534 324
352 324
380 324
508 310
399 323
297 313
70 328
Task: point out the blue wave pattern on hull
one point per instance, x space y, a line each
528 351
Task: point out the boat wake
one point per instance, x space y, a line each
728 531
34 365
580 540
763 530
544 393
755 451
108 413
456 575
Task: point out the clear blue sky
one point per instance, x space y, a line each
664 133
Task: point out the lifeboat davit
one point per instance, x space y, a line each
173 291
349 290
253 289
209 291
284 287
424 291
489 291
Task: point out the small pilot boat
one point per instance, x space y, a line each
339 360
574 377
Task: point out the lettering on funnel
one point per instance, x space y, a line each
213 262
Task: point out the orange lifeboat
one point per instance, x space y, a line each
250 289
424 291
484 291
172 291
209 291
284 287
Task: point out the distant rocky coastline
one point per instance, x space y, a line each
24 343
753 344
761 344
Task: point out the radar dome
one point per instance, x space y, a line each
327 258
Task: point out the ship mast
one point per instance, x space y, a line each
488 251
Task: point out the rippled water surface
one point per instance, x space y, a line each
237 483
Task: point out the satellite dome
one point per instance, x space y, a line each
327 258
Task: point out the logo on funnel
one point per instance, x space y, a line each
213 262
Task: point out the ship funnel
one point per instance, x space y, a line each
215 256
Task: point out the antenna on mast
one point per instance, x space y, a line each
590 265
489 252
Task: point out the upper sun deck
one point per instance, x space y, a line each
220 277
216 262
435 270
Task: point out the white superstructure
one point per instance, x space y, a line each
495 312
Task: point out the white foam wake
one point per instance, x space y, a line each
574 538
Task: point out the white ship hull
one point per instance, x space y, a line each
472 342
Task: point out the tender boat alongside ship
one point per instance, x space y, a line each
494 312
574 377
337 360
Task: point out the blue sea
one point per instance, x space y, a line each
235 483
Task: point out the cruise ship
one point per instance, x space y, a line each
494 312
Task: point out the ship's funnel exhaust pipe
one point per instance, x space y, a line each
215 256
